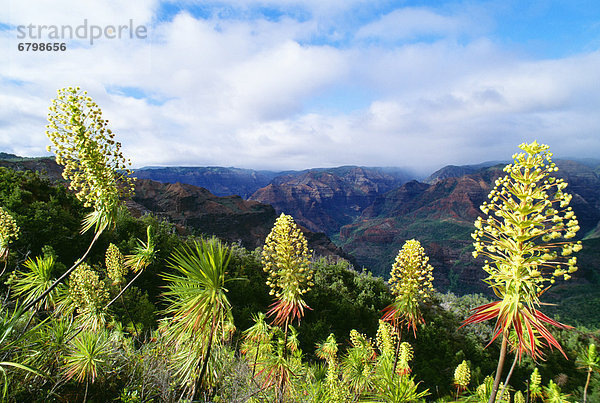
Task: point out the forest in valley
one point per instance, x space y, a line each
101 305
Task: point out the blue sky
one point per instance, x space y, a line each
285 84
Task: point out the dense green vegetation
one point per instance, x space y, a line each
135 368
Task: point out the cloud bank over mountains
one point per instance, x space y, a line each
291 85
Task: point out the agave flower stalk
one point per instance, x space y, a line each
525 237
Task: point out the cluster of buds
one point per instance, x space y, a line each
462 376
286 259
8 231
526 216
386 339
412 283
405 355
115 264
92 159
411 273
88 292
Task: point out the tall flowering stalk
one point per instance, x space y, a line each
92 159
286 258
524 236
411 283
9 230
93 163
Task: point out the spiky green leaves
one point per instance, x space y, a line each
286 259
31 283
9 231
411 282
88 356
92 159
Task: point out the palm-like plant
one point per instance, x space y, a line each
32 283
527 214
286 259
255 337
10 341
198 304
359 364
88 358
588 359
553 394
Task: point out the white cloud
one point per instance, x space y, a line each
240 91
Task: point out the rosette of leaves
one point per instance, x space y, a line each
411 283
31 283
525 237
286 259
589 360
92 159
9 231
359 364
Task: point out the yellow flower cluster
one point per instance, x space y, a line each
8 231
92 159
526 215
88 292
386 339
115 264
405 355
286 258
411 273
462 375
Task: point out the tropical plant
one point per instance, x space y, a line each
411 283
286 259
11 337
89 295
34 281
88 358
92 159
93 163
553 394
9 230
256 338
198 306
462 377
519 236
588 359
358 367
535 385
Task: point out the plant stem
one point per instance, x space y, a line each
587 383
508 376
208 348
499 368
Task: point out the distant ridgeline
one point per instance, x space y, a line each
368 212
